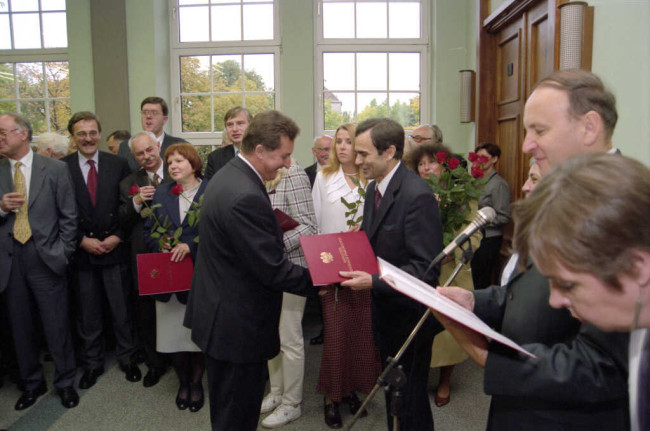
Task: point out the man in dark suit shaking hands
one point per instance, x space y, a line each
402 221
240 273
37 237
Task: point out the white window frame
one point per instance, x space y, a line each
183 49
322 45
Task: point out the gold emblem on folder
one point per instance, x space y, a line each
154 273
326 257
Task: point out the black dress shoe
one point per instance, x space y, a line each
69 397
354 404
183 397
333 416
318 339
153 376
131 371
28 398
89 378
195 406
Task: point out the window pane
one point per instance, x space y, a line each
5 35
60 113
24 26
186 2
52 4
7 82
372 71
30 79
338 108
405 108
4 6
258 22
204 151
226 23
194 24
195 74
58 79
404 20
404 71
371 105
257 103
195 113
259 72
55 32
223 103
338 71
8 107
227 73
338 20
371 20
24 5
35 112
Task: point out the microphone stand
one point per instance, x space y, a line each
392 379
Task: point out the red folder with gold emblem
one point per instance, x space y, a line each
285 220
328 254
158 274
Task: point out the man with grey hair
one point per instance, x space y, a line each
52 145
426 134
321 150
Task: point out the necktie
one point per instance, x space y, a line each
643 388
22 231
156 179
377 199
91 182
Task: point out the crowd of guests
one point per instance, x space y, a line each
98 211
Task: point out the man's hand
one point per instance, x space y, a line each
145 194
458 295
11 201
359 280
92 246
179 251
110 242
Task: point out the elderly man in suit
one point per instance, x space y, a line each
100 260
37 237
154 114
236 122
146 150
321 150
240 273
402 221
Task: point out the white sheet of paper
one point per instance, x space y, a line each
427 295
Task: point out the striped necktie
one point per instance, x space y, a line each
22 230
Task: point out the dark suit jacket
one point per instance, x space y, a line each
218 159
241 270
125 152
311 171
102 220
580 381
407 233
51 211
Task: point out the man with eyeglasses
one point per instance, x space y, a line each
236 123
154 114
321 150
38 223
426 134
101 257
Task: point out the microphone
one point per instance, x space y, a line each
484 216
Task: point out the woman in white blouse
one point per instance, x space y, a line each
350 359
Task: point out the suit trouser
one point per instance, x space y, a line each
236 392
287 369
485 258
95 281
35 291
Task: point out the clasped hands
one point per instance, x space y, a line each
97 247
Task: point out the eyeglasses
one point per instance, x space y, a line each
152 113
419 139
4 133
84 135
323 150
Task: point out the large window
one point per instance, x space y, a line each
224 54
371 61
34 77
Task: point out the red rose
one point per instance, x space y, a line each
477 172
176 190
134 190
482 159
453 163
441 157
472 156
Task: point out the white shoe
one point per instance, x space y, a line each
270 402
282 415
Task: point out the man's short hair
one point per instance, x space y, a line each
436 133
119 135
139 135
319 137
233 112
492 149
22 123
586 93
384 132
50 140
81 116
266 129
155 100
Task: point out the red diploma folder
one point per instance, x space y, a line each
328 254
158 274
285 220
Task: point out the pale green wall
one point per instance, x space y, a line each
82 94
